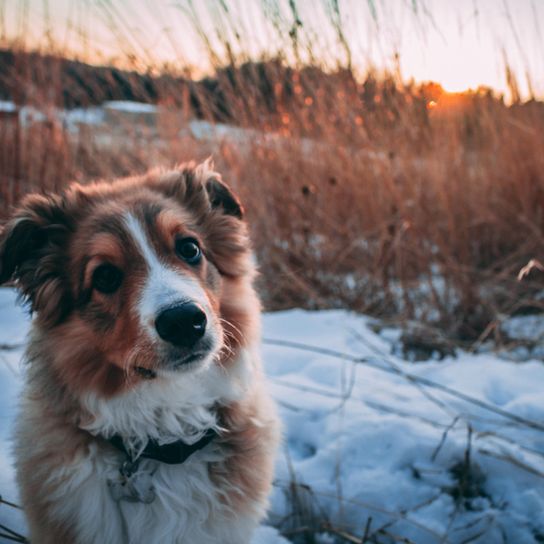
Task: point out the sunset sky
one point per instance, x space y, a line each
460 44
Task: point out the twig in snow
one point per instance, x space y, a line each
367 530
443 438
513 460
9 503
6 532
480 533
342 534
510 441
398 516
396 538
10 534
442 405
401 413
12 538
10 347
412 377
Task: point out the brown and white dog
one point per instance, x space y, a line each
144 417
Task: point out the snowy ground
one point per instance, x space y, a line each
374 445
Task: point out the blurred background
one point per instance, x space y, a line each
389 153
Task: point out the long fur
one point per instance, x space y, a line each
84 351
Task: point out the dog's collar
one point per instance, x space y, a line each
174 453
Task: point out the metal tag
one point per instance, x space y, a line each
132 485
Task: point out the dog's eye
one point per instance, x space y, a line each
188 250
107 278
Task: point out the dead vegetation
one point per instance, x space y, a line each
366 192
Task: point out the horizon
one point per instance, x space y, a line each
460 47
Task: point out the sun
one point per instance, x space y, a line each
459 86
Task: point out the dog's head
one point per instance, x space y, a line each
135 279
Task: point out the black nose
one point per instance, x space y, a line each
182 325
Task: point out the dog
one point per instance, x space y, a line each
145 417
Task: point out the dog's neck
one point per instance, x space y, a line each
180 407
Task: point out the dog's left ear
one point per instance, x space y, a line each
199 187
222 196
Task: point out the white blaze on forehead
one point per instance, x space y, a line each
165 287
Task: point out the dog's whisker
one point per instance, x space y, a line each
234 328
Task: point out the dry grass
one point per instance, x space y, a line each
368 193
376 195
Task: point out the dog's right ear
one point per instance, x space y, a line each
32 253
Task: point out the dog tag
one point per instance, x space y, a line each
132 485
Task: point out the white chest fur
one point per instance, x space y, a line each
189 506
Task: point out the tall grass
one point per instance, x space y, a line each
365 192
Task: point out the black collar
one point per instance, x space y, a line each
174 453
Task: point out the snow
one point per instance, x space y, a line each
524 327
13 327
372 441
268 535
92 116
8 106
127 106
206 131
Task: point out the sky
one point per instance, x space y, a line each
460 44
